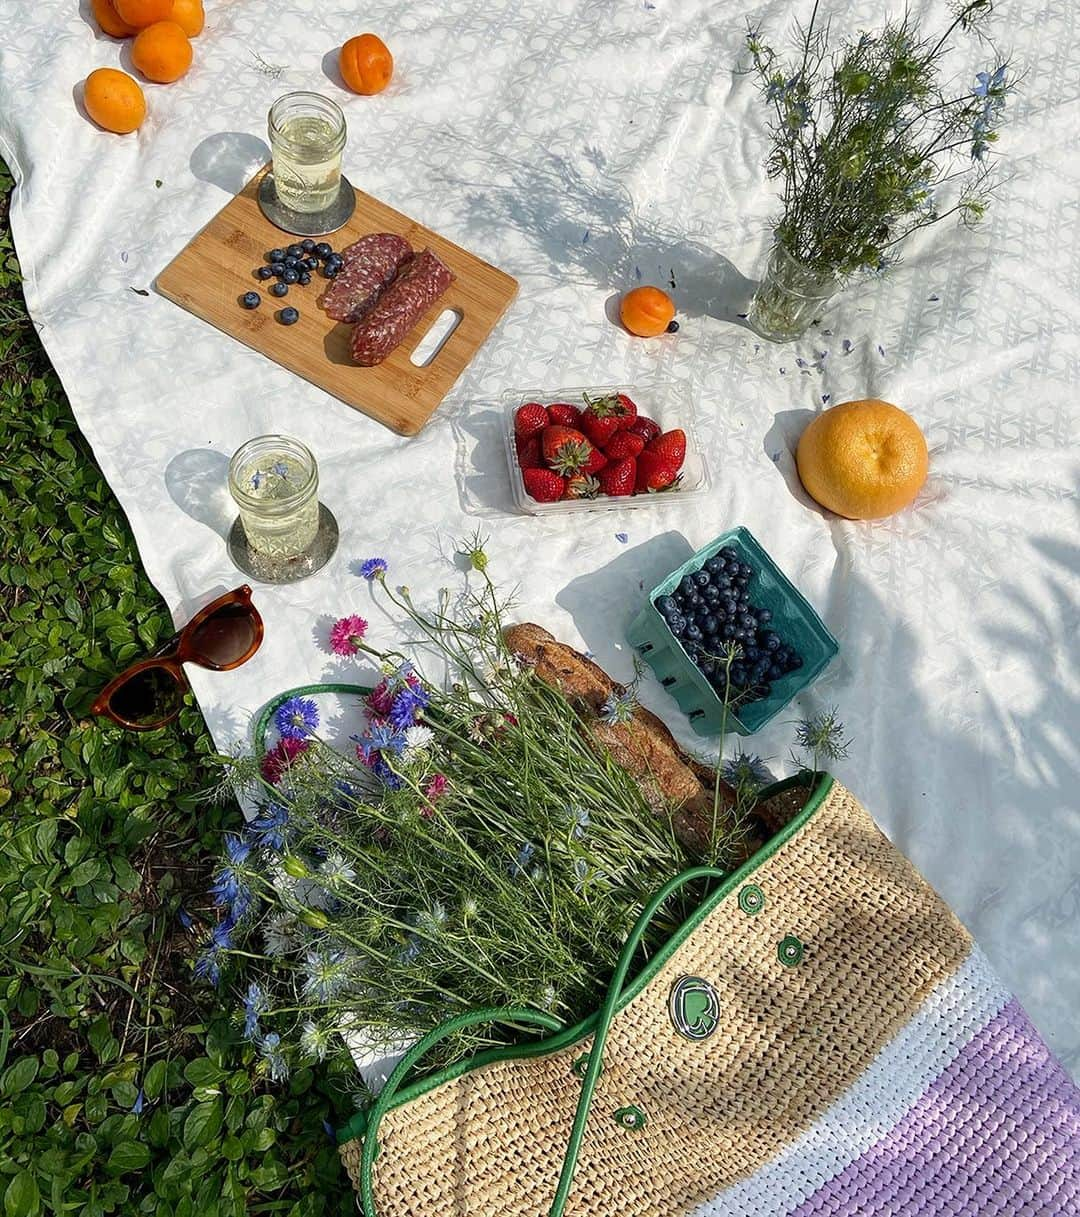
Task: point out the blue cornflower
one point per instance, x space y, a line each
139 1104
256 479
296 718
408 705
744 770
254 1004
272 1054
328 1128
185 918
384 738
524 857
386 775
989 84
210 962
618 707
280 468
267 830
373 568
230 887
979 148
581 821
400 677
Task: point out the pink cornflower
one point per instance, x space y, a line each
433 791
380 699
277 761
347 634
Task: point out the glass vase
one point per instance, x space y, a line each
791 296
275 481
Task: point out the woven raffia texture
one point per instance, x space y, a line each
884 1072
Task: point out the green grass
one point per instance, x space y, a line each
102 842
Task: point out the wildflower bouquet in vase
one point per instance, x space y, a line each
871 143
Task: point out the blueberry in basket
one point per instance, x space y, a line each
712 608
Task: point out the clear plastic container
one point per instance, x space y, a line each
669 403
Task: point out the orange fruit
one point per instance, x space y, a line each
140 13
107 17
646 311
366 64
189 16
161 52
863 459
114 100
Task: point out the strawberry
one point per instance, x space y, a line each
623 444
543 485
671 447
655 473
645 427
564 414
619 478
581 487
565 450
529 454
597 460
530 420
604 416
629 411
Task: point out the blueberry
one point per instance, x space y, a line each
288 316
307 245
323 250
677 625
744 597
714 565
693 632
727 631
304 278
251 300
336 261
746 571
796 663
276 255
770 640
290 276
763 616
264 272
331 270
748 623
752 654
279 289
701 578
665 606
775 671
294 250
311 262
729 554
693 601
737 673
709 624
687 586
722 581
711 595
277 268
291 263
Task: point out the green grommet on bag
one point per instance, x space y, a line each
581 1065
631 1117
790 951
751 899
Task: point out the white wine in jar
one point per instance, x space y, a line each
307 136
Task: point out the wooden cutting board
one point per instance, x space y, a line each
210 274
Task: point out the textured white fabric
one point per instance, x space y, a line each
954 1012
575 143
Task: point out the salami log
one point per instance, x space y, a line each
418 285
370 265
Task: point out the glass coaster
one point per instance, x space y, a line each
311 223
267 569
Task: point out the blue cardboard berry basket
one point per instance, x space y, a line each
793 619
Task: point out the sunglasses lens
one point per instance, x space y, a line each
226 636
147 698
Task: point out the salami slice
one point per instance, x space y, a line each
418 285
370 264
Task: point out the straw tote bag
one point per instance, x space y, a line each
821 1037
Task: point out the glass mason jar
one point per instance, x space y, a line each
307 135
790 297
275 482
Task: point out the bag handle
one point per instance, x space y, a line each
550 1023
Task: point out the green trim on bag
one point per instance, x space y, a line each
356 1127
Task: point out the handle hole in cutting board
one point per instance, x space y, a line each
435 339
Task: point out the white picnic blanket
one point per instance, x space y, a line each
579 144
